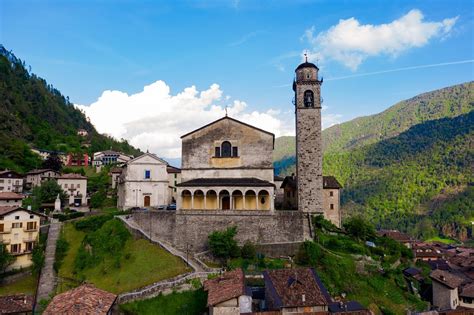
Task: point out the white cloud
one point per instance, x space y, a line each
350 42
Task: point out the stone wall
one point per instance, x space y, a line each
277 250
191 228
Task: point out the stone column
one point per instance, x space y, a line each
192 200
243 202
205 199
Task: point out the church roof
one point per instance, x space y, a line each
306 65
329 182
241 182
232 119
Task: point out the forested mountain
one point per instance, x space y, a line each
396 164
35 114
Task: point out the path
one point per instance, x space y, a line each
47 281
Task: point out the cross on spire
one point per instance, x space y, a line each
306 56
226 110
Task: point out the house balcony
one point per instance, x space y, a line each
25 229
5 240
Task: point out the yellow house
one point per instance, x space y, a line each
19 231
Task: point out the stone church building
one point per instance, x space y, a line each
227 165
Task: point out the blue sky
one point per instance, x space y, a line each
248 48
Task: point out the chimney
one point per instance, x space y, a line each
303 298
443 278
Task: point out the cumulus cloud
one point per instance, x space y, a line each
154 119
350 42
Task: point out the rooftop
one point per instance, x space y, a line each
306 65
72 176
7 209
16 304
468 290
446 278
296 287
241 182
85 299
10 195
40 171
228 286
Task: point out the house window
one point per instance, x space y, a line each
15 248
65 185
72 186
288 194
2 227
29 246
147 174
31 226
17 217
17 225
331 206
78 185
235 151
32 216
218 152
331 193
226 149
175 176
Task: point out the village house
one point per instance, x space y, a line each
398 236
426 252
18 304
115 173
36 177
19 230
11 181
227 294
75 186
295 291
109 157
445 289
227 165
143 183
85 299
77 159
10 199
331 197
174 178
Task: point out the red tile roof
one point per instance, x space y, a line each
86 299
228 286
13 304
296 287
72 176
468 290
10 195
444 277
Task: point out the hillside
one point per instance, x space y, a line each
395 177
35 114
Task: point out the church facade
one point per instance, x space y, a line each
227 165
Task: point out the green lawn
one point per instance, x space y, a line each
142 264
189 303
25 285
441 240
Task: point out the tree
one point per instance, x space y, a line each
53 162
222 243
248 250
5 258
47 193
359 228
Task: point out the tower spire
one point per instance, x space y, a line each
306 56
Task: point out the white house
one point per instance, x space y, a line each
75 186
11 181
109 157
10 199
143 183
174 178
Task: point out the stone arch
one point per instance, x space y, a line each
238 200
224 200
212 202
198 202
186 197
250 200
226 149
264 200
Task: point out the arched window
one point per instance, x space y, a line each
308 99
226 149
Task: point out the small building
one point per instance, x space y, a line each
445 290
398 236
279 191
11 181
426 252
19 230
295 291
10 199
75 186
85 299
16 304
174 178
82 133
143 183
226 294
331 197
109 157
466 296
37 176
77 159
115 173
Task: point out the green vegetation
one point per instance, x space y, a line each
46 193
366 274
102 252
443 240
62 247
188 302
395 165
26 285
5 259
223 245
34 113
38 256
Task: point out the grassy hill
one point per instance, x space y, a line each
35 114
394 164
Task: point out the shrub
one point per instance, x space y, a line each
308 254
248 250
359 228
223 244
92 223
62 247
98 199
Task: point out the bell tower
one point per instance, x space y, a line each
309 155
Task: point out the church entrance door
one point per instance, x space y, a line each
226 203
146 201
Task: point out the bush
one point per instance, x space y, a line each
248 250
359 228
308 254
93 223
223 244
98 199
62 247
69 216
